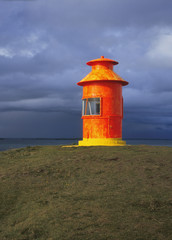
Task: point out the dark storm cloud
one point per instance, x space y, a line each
44 46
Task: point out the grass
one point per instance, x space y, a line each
104 193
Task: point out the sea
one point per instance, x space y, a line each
13 143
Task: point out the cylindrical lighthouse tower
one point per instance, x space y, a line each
102 105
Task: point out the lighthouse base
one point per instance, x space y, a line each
102 142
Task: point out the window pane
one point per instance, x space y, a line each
83 106
95 106
91 106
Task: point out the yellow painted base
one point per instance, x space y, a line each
102 142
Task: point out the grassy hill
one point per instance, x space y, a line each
100 193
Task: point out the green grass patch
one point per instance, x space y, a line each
104 193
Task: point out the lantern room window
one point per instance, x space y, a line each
91 106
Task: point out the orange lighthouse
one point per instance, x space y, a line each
102 105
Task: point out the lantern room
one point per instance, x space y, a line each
102 105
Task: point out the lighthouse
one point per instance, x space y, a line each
102 105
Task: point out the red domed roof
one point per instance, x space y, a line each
102 70
101 60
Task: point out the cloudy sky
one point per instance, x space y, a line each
44 46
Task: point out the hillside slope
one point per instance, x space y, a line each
103 193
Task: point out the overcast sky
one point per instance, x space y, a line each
44 47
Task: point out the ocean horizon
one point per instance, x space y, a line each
12 143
